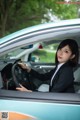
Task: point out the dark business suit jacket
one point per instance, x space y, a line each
62 81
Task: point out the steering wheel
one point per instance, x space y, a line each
20 76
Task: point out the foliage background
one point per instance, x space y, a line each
19 14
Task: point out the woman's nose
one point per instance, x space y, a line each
60 52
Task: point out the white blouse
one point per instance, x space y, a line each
58 67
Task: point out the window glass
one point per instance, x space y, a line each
45 54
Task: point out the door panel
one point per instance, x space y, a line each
40 110
40 106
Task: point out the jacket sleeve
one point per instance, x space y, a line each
42 77
65 79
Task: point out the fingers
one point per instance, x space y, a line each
21 88
24 66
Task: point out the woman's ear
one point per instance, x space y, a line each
73 56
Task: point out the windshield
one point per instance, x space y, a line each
12 55
17 53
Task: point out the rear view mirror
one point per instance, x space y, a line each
27 47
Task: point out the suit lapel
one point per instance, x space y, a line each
56 77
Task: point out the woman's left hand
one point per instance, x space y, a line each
21 88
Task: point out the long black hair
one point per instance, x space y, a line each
74 49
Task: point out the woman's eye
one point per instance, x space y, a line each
66 51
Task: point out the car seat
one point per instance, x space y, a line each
77 79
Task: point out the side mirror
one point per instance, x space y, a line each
35 59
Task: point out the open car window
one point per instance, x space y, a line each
45 54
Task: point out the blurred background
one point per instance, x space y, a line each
18 14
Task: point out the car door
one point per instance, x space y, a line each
15 105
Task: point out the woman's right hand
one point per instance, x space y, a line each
25 67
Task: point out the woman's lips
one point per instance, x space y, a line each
59 57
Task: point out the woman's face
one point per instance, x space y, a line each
64 54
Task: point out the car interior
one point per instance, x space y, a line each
11 74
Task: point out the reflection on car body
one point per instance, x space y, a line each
37 105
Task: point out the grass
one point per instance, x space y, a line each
47 57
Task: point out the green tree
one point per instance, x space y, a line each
18 14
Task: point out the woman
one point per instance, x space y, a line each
61 77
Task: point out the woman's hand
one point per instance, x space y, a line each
21 88
25 67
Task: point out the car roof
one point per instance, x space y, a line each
47 32
60 23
